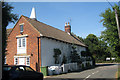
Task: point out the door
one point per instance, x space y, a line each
21 61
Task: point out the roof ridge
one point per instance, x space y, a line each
45 24
48 31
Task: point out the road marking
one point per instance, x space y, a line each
90 75
87 77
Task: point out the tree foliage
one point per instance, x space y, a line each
91 41
7 17
75 57
56 55
96 47
110 34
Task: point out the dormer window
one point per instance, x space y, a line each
21 27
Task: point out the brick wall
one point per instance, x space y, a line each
31 46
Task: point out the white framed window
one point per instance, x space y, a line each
21 42
28 61
15 61
21 45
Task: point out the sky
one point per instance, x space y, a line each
84 17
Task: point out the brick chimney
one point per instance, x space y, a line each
67 28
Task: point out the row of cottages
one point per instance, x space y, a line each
32 43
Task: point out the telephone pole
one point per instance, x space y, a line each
117 21
116 16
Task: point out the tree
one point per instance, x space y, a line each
64 60
96 47
91 41
110 34
57 53
7 17
75 57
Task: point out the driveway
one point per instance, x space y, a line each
100 72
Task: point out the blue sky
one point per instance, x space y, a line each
84 16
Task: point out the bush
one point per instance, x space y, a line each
83 66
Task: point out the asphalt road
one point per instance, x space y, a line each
101 72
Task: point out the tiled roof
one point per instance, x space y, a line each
51 32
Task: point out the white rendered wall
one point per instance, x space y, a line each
47 51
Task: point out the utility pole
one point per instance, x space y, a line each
117 21
116 16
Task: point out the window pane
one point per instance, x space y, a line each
17 69
28 69
6 68
21 68
19 42
28 61
23 42
16 61
21 28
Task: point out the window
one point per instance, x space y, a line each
22 42
28 69
21 28
16 61
5 60
21 69
17 69
21 45
6 68
28 61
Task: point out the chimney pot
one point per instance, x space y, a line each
66 24
67 28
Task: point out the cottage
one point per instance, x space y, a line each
32 43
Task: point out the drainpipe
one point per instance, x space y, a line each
38 55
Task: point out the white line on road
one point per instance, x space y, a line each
90 75
93 73
87 77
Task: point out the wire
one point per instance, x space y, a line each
110 4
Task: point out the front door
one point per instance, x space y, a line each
21 61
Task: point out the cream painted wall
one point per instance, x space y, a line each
47 51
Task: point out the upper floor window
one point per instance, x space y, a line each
21 28
21 42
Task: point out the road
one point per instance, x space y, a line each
101 72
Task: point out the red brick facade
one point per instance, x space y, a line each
31 43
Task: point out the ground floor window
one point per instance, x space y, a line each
15 61
28 61
5 60
22 60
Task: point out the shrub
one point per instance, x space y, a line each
82 66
